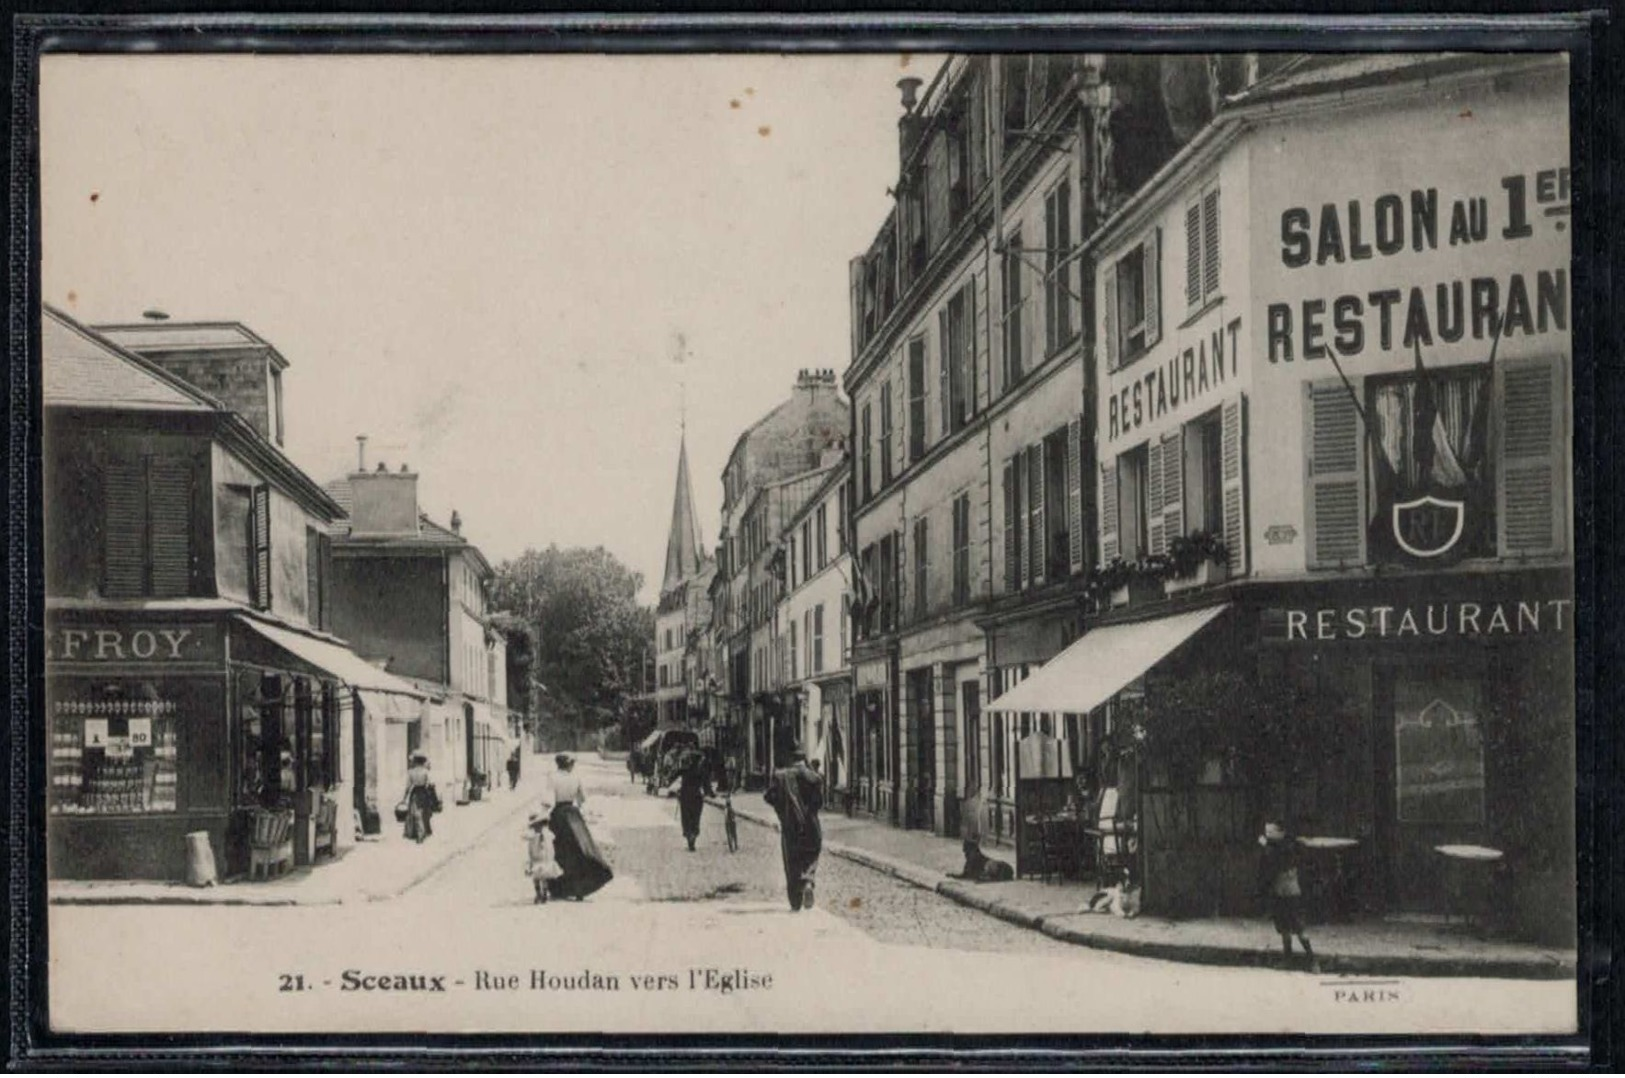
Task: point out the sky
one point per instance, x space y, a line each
508 272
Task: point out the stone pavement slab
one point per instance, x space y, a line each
1368 948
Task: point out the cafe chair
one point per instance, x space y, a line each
270 843
327 828
1112 838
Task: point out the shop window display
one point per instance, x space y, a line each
114 756
1439 749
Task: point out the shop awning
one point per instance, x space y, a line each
334 659
1102 662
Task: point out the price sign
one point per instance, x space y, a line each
141 733
95 733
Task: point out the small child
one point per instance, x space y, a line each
540 864
1278 879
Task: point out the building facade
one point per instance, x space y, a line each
683 614
193 681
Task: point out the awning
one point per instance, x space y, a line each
1102 662
392 707
334 659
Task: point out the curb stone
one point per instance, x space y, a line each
1197 953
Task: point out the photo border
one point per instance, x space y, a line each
1595 121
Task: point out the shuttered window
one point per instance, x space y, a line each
1157 538
921 560
1012 537
1037 545
1334 456
1532 470
1058 321
148 535
1110 551
1074 496
1134 302
1173 486
1202 248
916 399
962 550
885 433
259 536
1014 300
1233 441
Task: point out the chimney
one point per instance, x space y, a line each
360 452
245 376
456 523
384 502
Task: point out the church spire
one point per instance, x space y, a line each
683 554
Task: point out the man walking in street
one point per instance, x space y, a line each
796 794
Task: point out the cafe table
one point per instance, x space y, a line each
1336 892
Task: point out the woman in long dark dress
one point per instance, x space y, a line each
419 798
692 790
585 869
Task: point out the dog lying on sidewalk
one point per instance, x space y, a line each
1121 898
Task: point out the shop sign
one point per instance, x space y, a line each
1453 620
133 644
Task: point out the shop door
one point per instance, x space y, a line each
1431 778
970 711
922 761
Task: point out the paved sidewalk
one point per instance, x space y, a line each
374 869
1370 948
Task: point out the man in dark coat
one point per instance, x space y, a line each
796 794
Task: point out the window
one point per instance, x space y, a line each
793 674
1057 539
1204 481
818 639
1132 522
316 556
921 538
885 433
962 550
1202 248
1014 300
276 394
1015 517
1014 104
807 640
1036 535
1058 327
867 434
1133 302
840 520
821 530
916 399
259 539
957 332
148 530
113 751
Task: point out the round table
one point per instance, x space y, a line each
1464 861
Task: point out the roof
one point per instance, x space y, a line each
185 336
82 369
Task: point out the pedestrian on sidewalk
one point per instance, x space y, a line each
584 868
541 864
513 769
796 794
421 799
692 790
970 832
1278 879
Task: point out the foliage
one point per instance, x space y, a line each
520 637
1187 553
1185 556
590 632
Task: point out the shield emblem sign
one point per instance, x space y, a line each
1428 527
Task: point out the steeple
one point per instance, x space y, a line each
683 554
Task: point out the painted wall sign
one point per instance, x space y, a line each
1280 534
133 644
1145 392
1452 620
1531 300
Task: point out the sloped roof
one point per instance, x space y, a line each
83 369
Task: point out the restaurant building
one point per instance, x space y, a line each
193 685
1333 420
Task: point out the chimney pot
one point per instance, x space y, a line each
456 523
910 88
404 469
382 467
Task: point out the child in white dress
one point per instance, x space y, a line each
540 864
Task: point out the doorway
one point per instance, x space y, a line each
922 760
970 711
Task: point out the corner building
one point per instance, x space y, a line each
1333 437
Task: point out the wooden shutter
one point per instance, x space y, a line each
1037 541
1012 550
261 540
1173 486
1193 254
1109 551
1108 315
976 136
1232 446
169 505
125 491
1151 250
1074 494
1157 540
936 192
1530 501
1334 454
855 271
943 355
1210 243
1024 495
967 348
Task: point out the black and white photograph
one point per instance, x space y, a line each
783 544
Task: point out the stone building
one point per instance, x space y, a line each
683 613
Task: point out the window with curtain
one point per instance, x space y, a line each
1430 438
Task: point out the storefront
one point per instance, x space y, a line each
874 738
166 723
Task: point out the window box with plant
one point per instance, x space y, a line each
1196 560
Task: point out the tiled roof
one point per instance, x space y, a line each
167 335
81 369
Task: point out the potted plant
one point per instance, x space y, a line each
1196 560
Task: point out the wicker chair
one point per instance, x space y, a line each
270 844
327 828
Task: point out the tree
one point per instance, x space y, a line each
590 632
